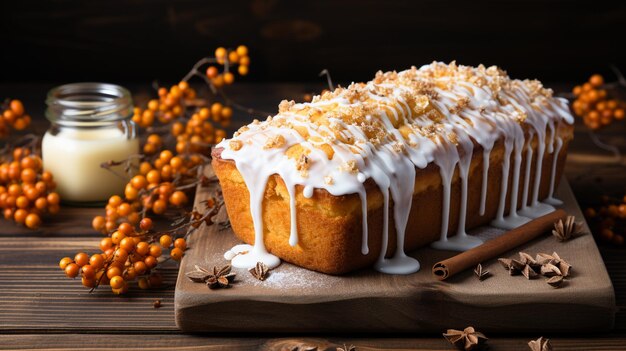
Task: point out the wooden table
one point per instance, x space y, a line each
41 309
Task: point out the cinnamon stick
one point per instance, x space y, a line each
495 247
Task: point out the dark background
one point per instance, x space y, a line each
141 40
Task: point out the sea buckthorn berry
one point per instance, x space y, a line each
229 78
140 267
28 175
33 221
127 244
124 209
105 244
153 177
212 72
125 228
150 262
165 240
242 70
96 261
145 224
242 50
220 52
159 207
142 248
20 216
176 254
596 80
114 271
88 271
81 259
180 243
178 198
115 200
64 262
72 270
117 237
116 282
143 283
155 251
166 156
16 107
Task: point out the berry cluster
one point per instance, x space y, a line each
127 255
227 59
595 105
197 134
170 105
13 115
26 191
609 219
160 184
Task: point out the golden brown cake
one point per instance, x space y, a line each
415 157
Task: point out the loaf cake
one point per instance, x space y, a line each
361 175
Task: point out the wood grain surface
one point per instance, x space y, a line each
40 309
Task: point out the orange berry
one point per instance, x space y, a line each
105 244
180 243
96 261
21 202
619 114
140 267
28 175
229 78
242 70
150 262
115 200
20 216
233 57
596 80
127 244
72 270
81 259
116 282
212 72
139 182
218 81
176 254
166 156
64 262
220 53
33 221
17 107
165 240
242 50
114 271
97 223
159 207
153 177
178 198
88 282
155 251
117 237
124 209
183 86
88 271
126 228
143 283
145 224
142 248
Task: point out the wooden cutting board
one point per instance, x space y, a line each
294 299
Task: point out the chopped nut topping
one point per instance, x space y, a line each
350 166
274 142
235 144
328 180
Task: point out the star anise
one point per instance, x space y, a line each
218 278
467 339
527 259
554 260
514 267
480 273
541 344
347 348
529 272
555 281
564 231
260 271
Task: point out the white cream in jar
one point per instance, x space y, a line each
90 125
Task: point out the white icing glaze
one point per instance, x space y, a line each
383 130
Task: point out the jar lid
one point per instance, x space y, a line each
88 104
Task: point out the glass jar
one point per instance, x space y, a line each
90 124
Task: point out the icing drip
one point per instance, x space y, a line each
383 130
551 199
